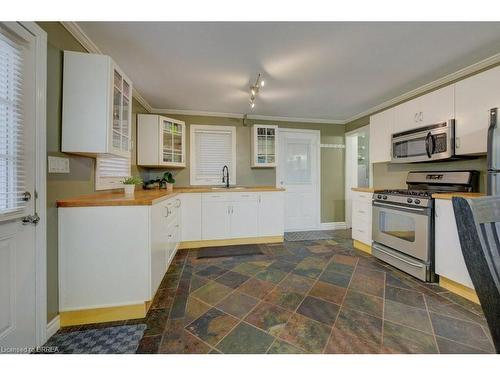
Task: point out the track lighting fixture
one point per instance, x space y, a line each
254 90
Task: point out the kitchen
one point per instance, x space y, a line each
241 232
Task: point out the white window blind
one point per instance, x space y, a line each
110 172
214 147
12 153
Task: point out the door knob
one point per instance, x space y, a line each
26 196
31 219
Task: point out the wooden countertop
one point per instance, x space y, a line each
148 197
451 195
364 189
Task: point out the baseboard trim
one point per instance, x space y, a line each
457 288
103 314
362 246
333 225
228 242
52 327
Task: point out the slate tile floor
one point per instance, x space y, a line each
306 297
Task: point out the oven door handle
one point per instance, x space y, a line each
429 144
394 207
398 258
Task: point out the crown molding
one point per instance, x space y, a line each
91 47
296 119
468 70
82 38
187 112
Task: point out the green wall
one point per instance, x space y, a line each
332 160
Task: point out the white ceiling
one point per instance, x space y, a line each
312 70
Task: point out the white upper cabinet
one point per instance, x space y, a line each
264 146
432 108
97 106
161 141
475 96
381 128
407 116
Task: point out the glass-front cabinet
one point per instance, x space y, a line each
264 146
161 141
96 84
172 142
122 113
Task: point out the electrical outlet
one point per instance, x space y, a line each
58 164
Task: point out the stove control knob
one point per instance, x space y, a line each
417 201
409 200
379 196
385 197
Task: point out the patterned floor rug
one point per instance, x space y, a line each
312 235
110 340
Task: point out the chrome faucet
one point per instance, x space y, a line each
225 176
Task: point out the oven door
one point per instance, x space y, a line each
406 229
433 142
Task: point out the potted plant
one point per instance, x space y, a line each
129 185
169 180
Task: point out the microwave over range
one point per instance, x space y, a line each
426 143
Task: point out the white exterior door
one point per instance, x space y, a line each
17 175
298 173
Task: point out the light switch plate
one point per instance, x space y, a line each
58 164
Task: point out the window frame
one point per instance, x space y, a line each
214 181
109 183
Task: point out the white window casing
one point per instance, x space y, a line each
110 172
12 127
212 147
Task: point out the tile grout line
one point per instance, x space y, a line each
383 316
342 303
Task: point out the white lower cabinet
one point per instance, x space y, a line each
191 217
115 255
216 220
271 214
362 217
449 259
229 215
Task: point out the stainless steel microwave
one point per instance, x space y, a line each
427 143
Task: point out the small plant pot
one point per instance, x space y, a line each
129 190
170 187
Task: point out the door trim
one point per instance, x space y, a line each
317 133
40 178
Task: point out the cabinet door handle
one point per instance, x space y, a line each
421 116
415 117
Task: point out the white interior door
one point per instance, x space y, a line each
298 173
17 176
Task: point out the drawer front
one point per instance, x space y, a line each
361 196
238 197
362 208
216 197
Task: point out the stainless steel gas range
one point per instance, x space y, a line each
403 220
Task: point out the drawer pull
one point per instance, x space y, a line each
361 212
